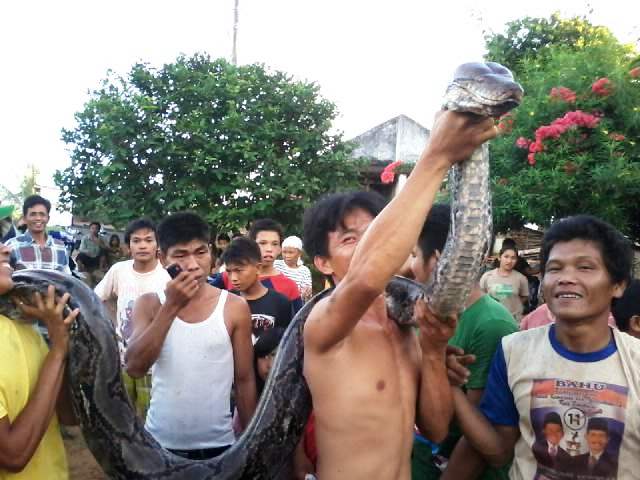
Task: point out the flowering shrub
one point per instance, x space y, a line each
602 87
574 142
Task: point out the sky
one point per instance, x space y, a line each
374 59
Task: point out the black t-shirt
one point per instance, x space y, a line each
271 310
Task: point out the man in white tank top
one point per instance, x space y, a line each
197 340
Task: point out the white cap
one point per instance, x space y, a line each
293 242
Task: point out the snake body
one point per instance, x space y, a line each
114 433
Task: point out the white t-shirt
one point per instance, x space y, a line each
125 285
535 380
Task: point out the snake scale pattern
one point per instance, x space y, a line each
116 436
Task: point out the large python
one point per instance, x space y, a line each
116 436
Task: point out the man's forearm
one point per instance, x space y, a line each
245 400
482 436
29 427
144 349
465 463
435 402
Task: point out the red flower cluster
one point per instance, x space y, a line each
389 174
602 87
557 128
563 94
635 72
618 137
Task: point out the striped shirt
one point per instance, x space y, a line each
300 275
26 253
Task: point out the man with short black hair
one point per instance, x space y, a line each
372 380
197 338
269 308
34 248
577 367
125 282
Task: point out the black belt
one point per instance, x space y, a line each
201 453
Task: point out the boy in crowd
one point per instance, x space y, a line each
34 248
578 367
483 322
91 254
267 233
31 384
197 338
371 380
269 308
125 282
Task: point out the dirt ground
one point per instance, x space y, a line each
82 465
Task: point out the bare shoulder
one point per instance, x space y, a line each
314 324
236 308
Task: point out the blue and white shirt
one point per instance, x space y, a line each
27 254
534 378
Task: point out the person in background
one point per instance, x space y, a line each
35 248
626 310
116 252
124 283
91 254
291 266
269 308
506 284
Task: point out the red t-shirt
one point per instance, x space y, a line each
280 283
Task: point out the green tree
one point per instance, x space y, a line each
551 161
534 38
232 143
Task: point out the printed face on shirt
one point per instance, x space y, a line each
36 219
290 255
577 284
6 283
243 276
597 440
269 243
192 257
553 433
143 245
343 243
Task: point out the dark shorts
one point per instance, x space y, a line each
89 263
201 454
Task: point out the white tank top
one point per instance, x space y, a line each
191 384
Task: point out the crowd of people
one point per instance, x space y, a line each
489 393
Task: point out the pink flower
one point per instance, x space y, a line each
523 142
531 158
602 87
635 72
388 174
563 94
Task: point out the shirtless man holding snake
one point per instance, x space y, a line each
372 381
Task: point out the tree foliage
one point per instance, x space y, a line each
534 38
568 167
232 143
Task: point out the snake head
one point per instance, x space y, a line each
486 89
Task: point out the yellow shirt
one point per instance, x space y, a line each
22 352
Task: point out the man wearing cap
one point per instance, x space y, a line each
292 267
